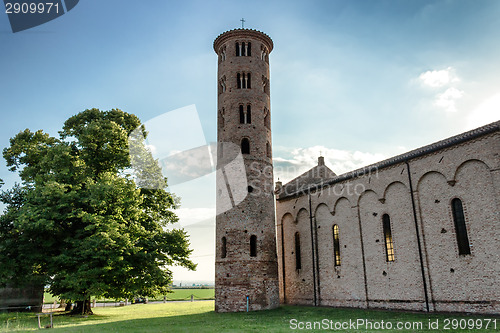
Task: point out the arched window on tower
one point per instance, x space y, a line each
223 248
265 84
238 50
253 246
221 117
249 49
263 53
243 81
298 262
268 150
245 146
336 244
389 246
267 119
242 115
460 227
249 115
222 85
245 115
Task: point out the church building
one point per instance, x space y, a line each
419 231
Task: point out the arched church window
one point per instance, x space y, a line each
238 49
249 49
298 261
245 146
389 246
460 227
223 248
253 246
336 244
239 80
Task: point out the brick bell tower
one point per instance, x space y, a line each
246 269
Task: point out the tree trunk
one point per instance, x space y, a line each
82 308
69 306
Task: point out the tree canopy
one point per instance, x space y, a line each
90 216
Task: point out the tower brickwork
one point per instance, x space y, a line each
246 272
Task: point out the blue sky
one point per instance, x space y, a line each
358 80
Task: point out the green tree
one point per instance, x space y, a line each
90 217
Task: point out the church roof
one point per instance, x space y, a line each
307 181
317 175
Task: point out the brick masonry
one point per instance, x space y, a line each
428 272
414 189
245 198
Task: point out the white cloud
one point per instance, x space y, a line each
445 82
447 100
440 78
290 163
486 112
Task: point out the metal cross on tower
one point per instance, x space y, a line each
242 23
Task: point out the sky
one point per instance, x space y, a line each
357 81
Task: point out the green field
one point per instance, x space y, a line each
176 295
200 317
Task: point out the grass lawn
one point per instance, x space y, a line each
200 317
176 295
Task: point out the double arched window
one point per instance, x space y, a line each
245 114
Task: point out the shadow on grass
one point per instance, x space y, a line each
277 320
16 322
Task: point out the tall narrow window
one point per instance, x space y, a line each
460 227
249 115
242 115
245 146
253 246
248 85
389 246
238 80
298 262
237 49
336 245
221 117
249 49
223 248
268 150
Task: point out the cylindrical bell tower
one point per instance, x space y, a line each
246 269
